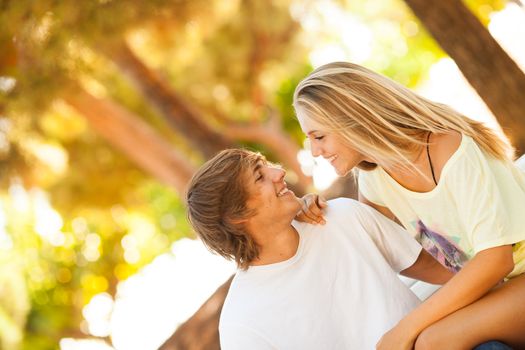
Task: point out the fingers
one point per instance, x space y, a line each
312 211
310 216
316 206
321 202
301 216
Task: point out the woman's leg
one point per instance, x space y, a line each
499 315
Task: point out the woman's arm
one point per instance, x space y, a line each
383 210
428 269
479 275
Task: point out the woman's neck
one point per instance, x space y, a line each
417 176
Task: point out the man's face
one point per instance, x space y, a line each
268 196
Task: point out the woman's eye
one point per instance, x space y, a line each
319 138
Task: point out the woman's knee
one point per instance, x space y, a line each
437 337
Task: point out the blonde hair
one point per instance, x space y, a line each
382 119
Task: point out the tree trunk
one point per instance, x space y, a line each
201 331
132 136
173 107
493 74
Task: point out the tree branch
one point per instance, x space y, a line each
132 136
180 115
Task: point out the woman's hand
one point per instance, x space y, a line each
312 210
398 338
481 273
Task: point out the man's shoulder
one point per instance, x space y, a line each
344 208
249 297
242 289
345 216
351 214
342 201
235 299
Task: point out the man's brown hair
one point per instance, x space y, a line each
216 201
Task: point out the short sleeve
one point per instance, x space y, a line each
368 188
395 244
238 337
490 194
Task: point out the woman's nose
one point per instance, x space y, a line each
315 150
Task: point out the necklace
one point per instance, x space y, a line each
429 160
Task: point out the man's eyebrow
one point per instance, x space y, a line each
257 166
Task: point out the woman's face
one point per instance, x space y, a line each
330 146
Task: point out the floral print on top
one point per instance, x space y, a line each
478 204
442 249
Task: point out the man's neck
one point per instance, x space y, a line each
277 246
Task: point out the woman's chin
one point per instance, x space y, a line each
341 172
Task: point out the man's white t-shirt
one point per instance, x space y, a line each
339 291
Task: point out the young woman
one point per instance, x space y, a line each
448 180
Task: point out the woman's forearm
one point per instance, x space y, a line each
428 269
478 276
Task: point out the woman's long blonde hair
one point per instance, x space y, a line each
382 119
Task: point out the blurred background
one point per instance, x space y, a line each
107 107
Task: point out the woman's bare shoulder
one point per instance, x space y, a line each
443 146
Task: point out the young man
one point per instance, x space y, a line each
299 286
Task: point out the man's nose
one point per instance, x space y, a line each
278 173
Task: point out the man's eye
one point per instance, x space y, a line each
259 177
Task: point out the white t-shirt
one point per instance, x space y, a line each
478 203
339 291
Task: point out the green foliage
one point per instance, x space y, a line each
90 252
284 99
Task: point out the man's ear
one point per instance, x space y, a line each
239 221
242 224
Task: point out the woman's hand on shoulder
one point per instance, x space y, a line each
312 209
